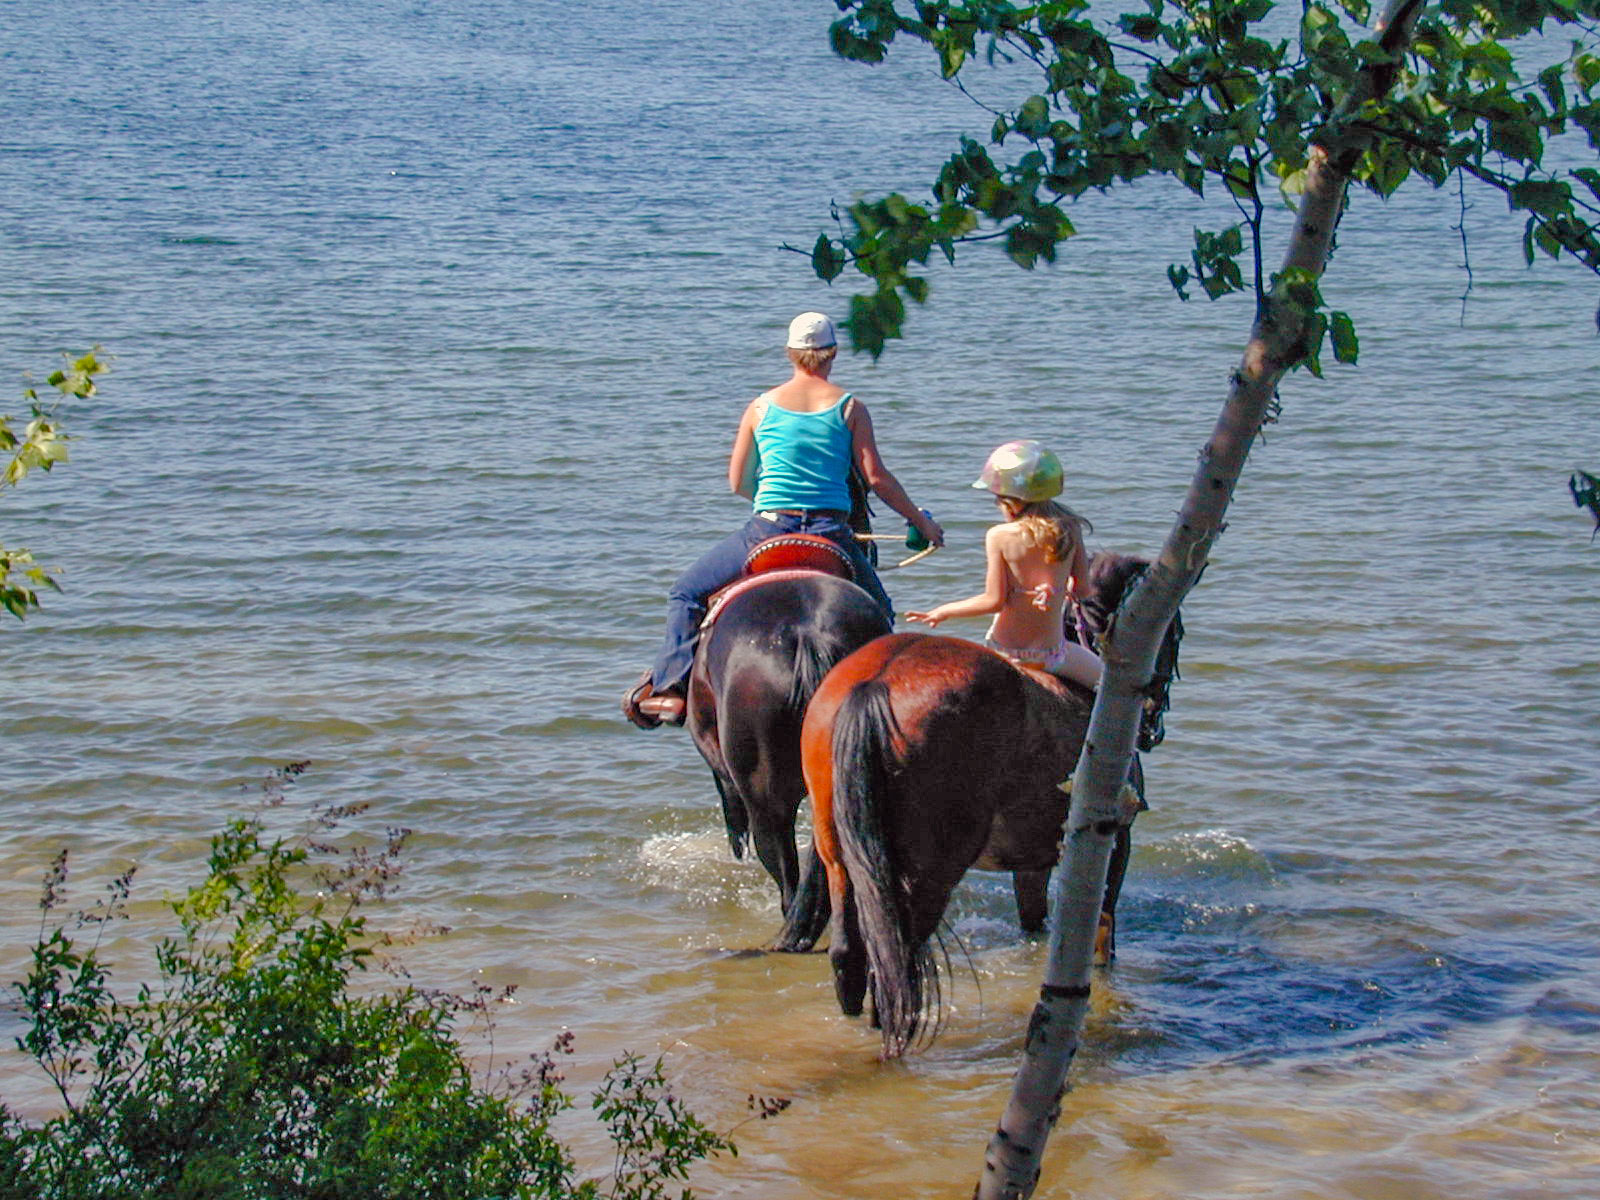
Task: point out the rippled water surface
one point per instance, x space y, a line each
432 324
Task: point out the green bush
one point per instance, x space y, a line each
250 1069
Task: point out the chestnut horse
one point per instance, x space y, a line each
763 650
926 756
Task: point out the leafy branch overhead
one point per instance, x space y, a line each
41 446
1228 95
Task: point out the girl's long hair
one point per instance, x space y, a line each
1053 527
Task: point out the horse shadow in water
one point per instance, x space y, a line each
762 653
926 756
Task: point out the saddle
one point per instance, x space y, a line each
787 556
798 552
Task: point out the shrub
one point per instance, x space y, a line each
251 1069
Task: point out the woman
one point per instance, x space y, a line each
792 456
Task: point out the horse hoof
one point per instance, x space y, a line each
1105 941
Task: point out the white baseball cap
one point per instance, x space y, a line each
811 331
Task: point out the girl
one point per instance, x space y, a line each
1036 563
792 458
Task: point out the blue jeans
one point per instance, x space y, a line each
722 564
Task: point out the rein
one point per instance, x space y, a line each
894 537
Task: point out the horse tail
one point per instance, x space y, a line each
813 658
735 815
863 732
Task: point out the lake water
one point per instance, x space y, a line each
432 324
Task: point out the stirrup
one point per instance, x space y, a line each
668 708
631 700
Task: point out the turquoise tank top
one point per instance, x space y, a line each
804 458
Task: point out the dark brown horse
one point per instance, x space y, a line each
927 756
762 653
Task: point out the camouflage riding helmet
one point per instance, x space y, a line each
1023 470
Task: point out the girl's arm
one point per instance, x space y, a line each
991 599
745 460
881 480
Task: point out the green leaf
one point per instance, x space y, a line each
1033 118
1550 83
848 44
1024 245
1546 198
1586 70
952 54
1140 25
1242 187
1316 331
1318 19
1590 179
827 260
1585 489
1517 138
1346 348
1387 168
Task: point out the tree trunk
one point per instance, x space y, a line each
1011 1165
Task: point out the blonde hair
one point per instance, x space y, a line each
812 361
1053 527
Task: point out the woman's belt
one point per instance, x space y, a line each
837 514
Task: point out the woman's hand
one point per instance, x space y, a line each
929 528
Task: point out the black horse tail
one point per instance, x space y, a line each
814 657
863 730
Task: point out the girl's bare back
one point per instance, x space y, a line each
1036 591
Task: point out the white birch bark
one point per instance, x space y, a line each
1011 1165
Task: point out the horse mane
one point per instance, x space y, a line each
1111 578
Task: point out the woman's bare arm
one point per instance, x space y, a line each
881 480
745 458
